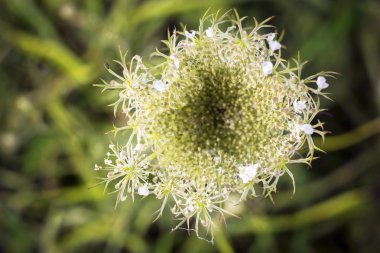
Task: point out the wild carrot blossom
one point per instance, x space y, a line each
221 114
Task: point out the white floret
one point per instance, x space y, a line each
267 68
321 82
143 190
248 172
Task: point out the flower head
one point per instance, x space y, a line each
221 114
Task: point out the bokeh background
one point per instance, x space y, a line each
53 124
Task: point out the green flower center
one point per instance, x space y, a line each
212 111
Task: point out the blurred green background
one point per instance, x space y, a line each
52 125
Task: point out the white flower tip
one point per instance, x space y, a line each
248 172
217 159
274 45
123 155
97 167
110 174
307 129
321 79
175 61
209 32
159 86
321 82
138 147
122 94
270 37
143 190
267 68
190 35
114 83
190 208
299 106
107 161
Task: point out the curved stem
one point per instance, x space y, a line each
328 210
351 138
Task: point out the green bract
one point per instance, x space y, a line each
221 114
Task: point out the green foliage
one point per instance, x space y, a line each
52 125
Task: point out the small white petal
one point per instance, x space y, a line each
122 94
230 28
270 36
299 106
321 82
175 61
97 167
267 68
123 198
138 147
159 85
114 83
274 45
217 159
125 72
307 129
210 32
321 79
248 172
190 35
143 190
123 155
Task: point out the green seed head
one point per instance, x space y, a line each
221 114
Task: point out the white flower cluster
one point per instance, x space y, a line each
222 114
